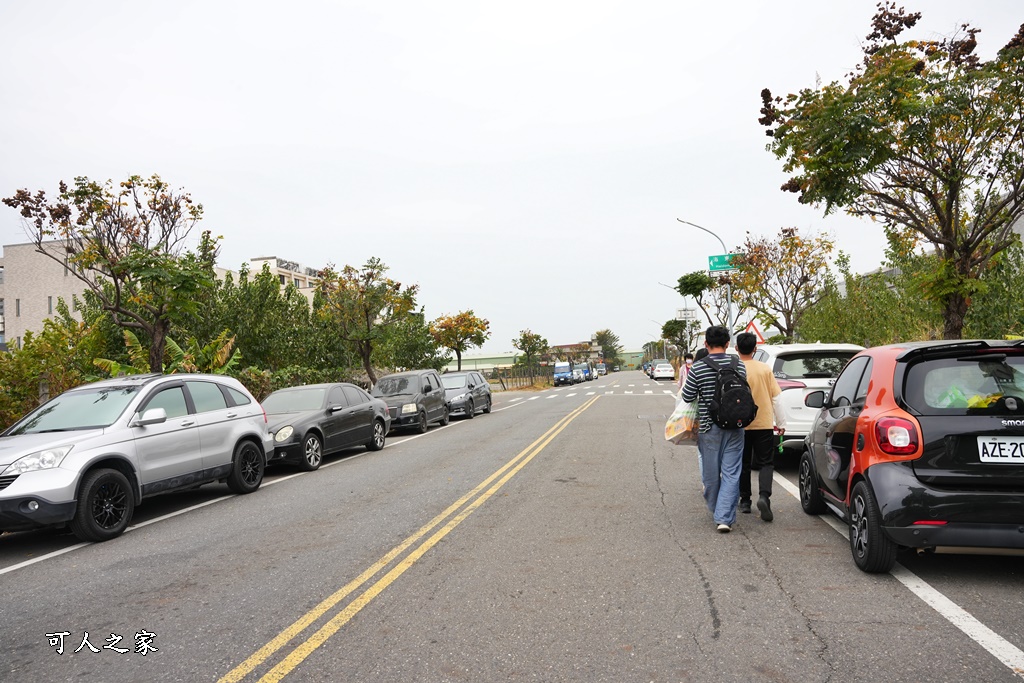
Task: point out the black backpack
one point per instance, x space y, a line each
732 406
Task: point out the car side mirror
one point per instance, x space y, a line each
427 389
815 399
153 416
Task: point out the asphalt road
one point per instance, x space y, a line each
559 538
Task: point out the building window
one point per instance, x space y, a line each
17 309
49 305
283 282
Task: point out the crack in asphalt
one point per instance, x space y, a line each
709 593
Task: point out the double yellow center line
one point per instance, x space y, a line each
478 496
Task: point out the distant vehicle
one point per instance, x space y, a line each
601 369
311 421
415 399
615 369
86 458
577 376
663 371
588 372
654 363
563 373
466 392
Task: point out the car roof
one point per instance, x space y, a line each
817 346
407 373
142 380
903 349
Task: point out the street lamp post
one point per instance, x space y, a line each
728 285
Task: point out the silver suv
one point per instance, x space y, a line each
801 369
89 456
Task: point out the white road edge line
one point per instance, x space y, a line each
1000 648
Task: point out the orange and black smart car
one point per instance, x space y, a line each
921 445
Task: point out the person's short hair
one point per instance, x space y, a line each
701 353
717 336
746 342
687 356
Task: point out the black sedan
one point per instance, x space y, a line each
466 393
310 421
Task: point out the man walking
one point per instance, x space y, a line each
721 450
759 438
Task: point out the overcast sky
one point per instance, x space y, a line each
524 160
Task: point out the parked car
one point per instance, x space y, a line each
87 457
588 372
563 373
415 399
466 393
655 363
801 369
577 375
663 371
309 422
921 445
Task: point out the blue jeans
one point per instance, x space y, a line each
721 459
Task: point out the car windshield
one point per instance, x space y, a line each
453 381
294 400
812 364
663 366
561 367
83 409
393 386
991 384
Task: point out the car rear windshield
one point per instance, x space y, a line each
84 409
811 364
984 384
294 400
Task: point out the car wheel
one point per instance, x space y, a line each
312 453
377 442
422 425
872 550
447 417
246 468
810 497
105 506
470 410
487 406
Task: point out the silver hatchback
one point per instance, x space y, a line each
87 457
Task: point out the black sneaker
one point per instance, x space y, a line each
745 507
765 508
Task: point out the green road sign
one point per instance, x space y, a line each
721 262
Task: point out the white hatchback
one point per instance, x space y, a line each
801 369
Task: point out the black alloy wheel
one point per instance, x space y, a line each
105 506
470 409
447 417
422 425
246 468
872 550
810 497
487 406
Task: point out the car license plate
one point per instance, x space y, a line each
1001 449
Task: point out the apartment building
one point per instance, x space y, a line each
31 283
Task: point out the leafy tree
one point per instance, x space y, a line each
682 333
533 346
924 137
459 332
409 343
48 363
362 304
781 279
710 294
883 307
126 244
611 348
999 311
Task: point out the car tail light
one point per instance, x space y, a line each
896 436
790 384
929 522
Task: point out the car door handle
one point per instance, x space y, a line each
187 423
232 415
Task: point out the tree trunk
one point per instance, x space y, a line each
158 342
458 354
953 314
365 351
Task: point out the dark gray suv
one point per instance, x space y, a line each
415 399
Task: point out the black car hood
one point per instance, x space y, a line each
397 399
277 420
